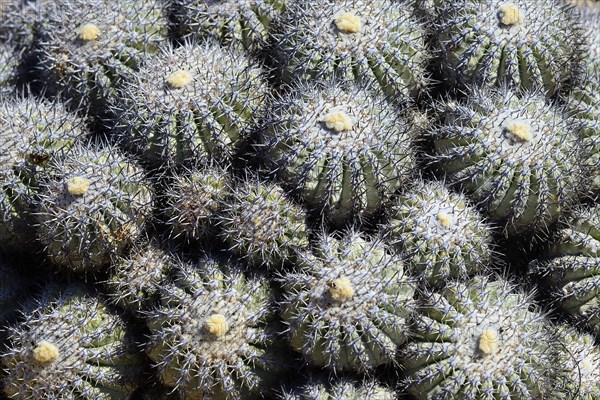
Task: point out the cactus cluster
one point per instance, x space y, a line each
340 389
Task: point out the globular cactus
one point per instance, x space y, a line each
88 47
248 22
571 267
340 389
441 235
209 335
376 42
478 340
92 205
516 156
71 346
518 43
347 304
261 224
193 200
343 149
190 104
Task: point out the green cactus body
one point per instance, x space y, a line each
516 156
88 47
344 150
573 267
376 42
209 335
71 347
519 43
93 204
478 340
347 306
190 104
340 389
590 19
439 232
248 22
262 225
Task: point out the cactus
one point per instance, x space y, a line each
88 47
92 205
590 19
478 340
9 59
190 104
340 389
439 232
346 306
71 346
262 225
376 42
209 335
572 267
248 22
343 149
518 43
516 156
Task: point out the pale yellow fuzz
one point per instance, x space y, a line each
488 341
348 22
444 219
338 121
509 14
45 352
340 289
78 186
216 325
179 79
520 130
89 32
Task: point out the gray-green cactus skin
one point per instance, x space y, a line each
439 232
340 389
343 149
522 44
478 340
261 224
88 47
375 42
347 304
71 346
515 155
190 104
210 334
571 267
248 22
93 204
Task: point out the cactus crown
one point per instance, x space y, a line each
510 14
348 22
89 32
45 352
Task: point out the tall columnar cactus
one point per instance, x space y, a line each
191 103
441 235
520 43
71 346
340 389
261 224
377 42
572 267
92 205
343 149
478 340
87 47
248 22
210 333
519 158
347 305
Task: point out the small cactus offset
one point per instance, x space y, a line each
347 305
340 389
190 104
441 235
261 224
343 149
478 340
518 43
209 334
375 42
71 346
92 205
516 156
